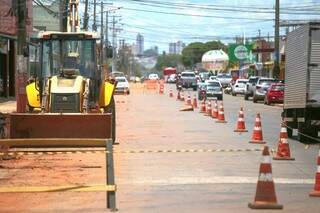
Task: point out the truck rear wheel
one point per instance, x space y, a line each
112 109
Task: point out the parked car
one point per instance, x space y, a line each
187 79
225 79
214 89
153 76
172 78
122 85
274 94
202 87
239 87
261 88
250 85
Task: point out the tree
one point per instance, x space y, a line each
170 60
193 53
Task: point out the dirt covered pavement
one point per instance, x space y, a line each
163 164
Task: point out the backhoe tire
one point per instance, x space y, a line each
112 109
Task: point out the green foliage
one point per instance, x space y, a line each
170 60
193 53
150 53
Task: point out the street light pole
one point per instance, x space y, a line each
276 68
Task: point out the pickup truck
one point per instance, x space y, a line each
225 79
187 79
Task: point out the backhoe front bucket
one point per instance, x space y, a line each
55 125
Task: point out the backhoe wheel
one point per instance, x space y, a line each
112 109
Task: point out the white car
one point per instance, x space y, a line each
122 85
153 76
239 87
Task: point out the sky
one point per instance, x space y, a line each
204 20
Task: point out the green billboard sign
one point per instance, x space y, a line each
240 52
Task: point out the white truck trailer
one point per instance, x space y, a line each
302 83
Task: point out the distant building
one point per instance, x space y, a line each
176 47
43 20
139 45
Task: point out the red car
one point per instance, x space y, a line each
274 94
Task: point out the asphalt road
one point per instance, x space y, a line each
205 181
157 178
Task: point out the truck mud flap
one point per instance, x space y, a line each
59 126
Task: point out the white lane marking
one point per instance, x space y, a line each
208 180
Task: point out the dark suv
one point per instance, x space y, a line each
250 87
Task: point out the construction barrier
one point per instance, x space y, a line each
151 84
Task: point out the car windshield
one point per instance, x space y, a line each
188 75
213 84
278 87
267 81
121 79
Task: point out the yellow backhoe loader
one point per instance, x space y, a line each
69 97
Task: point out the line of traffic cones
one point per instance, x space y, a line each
195 102
265 197
257 136
241 126
203 106
208 110
221 118
214 113
189 103
283 150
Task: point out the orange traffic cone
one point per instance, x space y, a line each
161 88
214 113
257 132
195 103
283 151
203 106
182 97
241 126
265 194
316 192
208 111
178 96
170 93
189 103
221 118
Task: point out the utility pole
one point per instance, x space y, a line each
101 35
86 18
276 68
106 36
94 26
22 54
113 43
